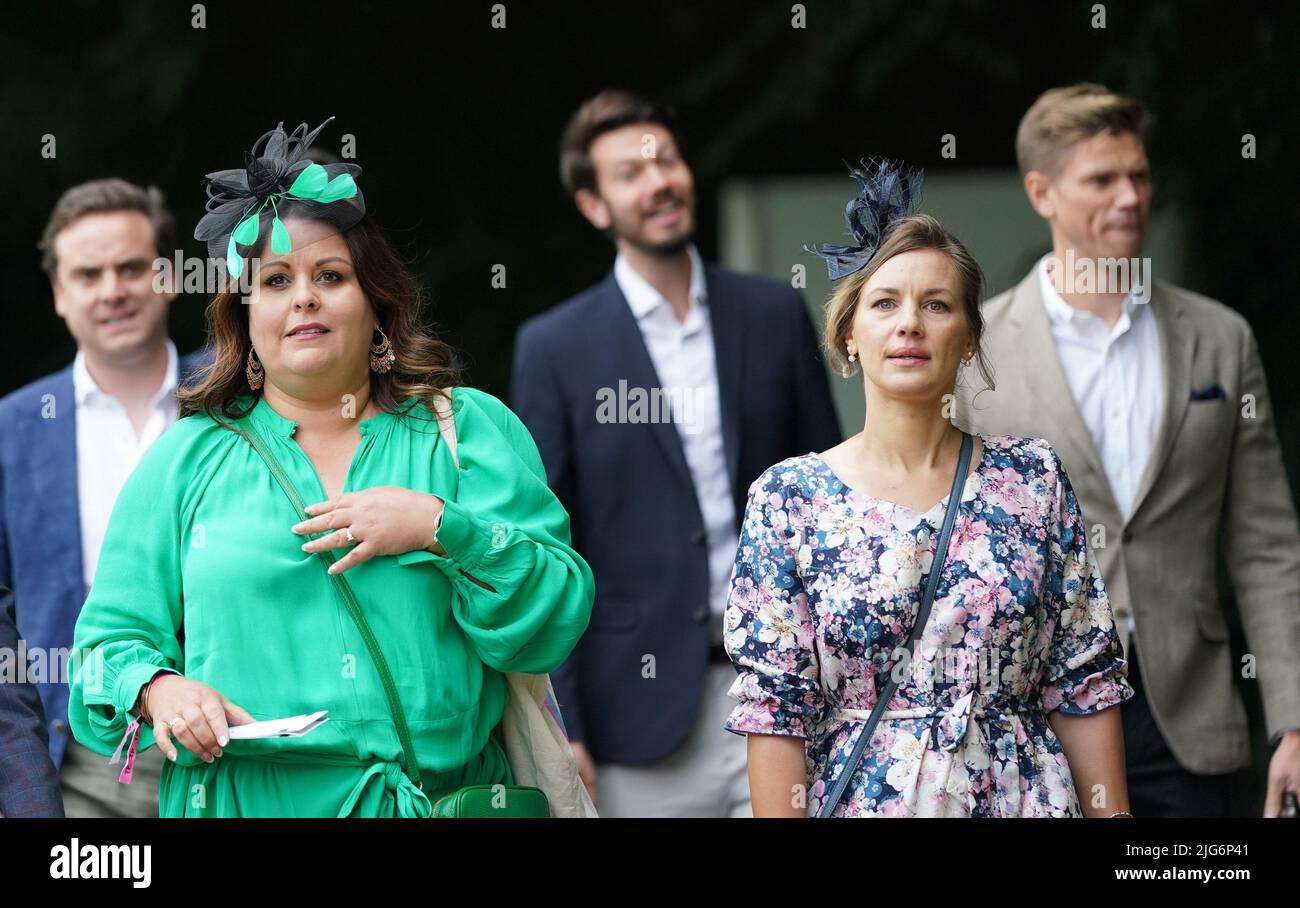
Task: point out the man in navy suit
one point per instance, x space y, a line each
69 440
29 785
656 398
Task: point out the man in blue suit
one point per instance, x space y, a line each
29 785
69 440
656 398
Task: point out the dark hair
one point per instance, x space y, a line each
108 195
425 367
611 109
917 231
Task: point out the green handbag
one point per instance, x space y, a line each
472 801
489 801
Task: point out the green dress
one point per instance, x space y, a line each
200 573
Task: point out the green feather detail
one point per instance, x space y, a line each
280 243
341 187
234 264
246 233
311 181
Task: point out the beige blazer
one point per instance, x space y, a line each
1215 482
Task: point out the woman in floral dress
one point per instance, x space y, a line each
1005 708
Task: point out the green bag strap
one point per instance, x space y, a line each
411 765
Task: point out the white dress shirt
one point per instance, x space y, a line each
1117 378
684 360
108 449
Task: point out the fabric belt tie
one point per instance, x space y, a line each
952 732
411 801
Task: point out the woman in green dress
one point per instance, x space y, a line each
210 608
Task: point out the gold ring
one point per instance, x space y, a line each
351 539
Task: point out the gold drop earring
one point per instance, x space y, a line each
253 371
381 354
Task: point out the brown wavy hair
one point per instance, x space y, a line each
425 368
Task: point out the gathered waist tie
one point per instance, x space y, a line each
950 726
375 778
412 803
379 776
952 731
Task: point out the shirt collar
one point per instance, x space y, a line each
1062 313
267 419
86 389
642 298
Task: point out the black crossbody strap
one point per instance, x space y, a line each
410 765
922 614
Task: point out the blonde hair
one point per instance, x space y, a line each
1062 117
918 231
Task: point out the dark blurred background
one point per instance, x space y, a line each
456 126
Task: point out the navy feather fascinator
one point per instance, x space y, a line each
887 191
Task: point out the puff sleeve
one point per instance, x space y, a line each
127 630
506 529
768 626
1085 671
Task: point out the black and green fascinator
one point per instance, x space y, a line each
276 181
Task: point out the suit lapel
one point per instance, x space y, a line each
55 511
1053 405
636 366
1177 348
728 328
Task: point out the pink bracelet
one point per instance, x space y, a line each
145 699
133 736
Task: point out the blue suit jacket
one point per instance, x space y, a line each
29 784
630 498
40 523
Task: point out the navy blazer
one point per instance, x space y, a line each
40 523
631 688
29 784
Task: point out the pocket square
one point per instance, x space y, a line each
1209 392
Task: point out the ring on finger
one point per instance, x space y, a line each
351 539
175 720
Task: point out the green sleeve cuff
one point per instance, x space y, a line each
465 537
107 715
131 680
417 557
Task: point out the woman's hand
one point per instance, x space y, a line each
387 520
195 714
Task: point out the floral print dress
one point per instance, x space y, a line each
826 586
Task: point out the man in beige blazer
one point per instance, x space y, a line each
1155 399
